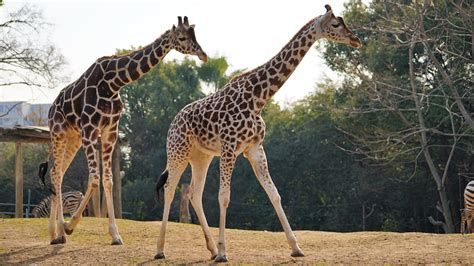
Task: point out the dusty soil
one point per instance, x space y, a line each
26 241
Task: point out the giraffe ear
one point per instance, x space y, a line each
192 26
328 8
326 18
173 29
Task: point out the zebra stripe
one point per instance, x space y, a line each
468 211
70 199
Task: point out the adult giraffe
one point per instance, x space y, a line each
229 122
90 108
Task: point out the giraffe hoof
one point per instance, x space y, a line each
58 240
117 242
67 230
297 253
221 258
159 256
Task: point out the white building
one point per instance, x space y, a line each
23 113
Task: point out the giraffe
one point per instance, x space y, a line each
228 123
90 108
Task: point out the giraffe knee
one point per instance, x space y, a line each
224 198
275 198
94 182
107 182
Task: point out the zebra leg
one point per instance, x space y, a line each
109 137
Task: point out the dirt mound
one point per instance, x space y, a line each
26 241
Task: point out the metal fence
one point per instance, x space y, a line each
28 207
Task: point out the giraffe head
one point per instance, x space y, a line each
184 39
334 29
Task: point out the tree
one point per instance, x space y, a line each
26 57
407 94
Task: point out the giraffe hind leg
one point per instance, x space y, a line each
58 148
200 164
73 145
174 174
93 184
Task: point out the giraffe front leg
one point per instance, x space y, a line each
258 160
108 144
227 162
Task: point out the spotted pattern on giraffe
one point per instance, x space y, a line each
229 122
90 108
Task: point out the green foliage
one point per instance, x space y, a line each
213 72
377 105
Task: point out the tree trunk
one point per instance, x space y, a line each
446 210
117 188
184 214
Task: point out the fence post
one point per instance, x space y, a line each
28 205
18 181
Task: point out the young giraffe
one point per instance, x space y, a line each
90 108
229 122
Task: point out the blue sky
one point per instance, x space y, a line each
247 32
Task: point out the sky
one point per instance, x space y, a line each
247 32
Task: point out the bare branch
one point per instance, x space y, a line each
10 109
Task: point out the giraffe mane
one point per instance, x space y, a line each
246 73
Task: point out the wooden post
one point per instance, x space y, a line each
117 178
184 214
96 196
18 181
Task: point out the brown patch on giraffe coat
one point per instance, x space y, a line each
78 103
144 65
122 62
132 70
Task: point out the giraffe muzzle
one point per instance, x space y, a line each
355 42
203 56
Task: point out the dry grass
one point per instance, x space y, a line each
26 241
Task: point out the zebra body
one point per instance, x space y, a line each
468 211
70 199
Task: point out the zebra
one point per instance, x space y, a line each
71 201
468 211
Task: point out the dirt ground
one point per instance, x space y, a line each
26 241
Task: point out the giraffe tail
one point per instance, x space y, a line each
160 183
43 169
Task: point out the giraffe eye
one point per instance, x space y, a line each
181 39
335 25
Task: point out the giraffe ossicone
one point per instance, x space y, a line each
89 109
228 123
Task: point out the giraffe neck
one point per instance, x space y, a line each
268 78
128 68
